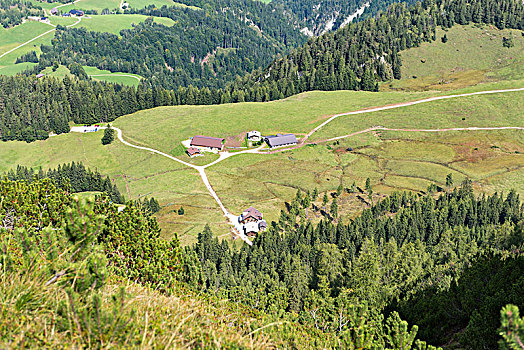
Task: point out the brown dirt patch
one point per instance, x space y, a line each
236 140
473 152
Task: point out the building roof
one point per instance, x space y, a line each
253 133
251 212
40 75
192 151
206 141
262 225
280 140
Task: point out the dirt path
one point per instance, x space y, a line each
200 170
473 128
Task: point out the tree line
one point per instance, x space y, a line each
73 177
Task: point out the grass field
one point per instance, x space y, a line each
12 37
472 55
165 127
98 5
119 78
485 110
115 23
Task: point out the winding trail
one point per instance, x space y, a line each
226 155
199 168
404 104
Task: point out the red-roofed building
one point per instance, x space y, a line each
207 143
193 152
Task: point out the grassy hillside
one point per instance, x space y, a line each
266 181
165 127
472 55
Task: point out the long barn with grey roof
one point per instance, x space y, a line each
280 140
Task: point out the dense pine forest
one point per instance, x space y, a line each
421 256
207 47
330 285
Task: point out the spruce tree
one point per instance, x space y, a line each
109 135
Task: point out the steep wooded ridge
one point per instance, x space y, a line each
65 263
358 55
320 16
203 48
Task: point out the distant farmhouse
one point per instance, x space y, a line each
206 143
54 11
251 222
280 140
254 136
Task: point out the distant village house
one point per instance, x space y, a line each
252 222
54 11
280 140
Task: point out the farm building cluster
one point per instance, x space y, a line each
199 144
